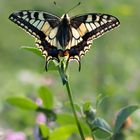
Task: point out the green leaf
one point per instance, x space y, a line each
101 129
63 133
101 134
23 103
45 132
122 116
86 106
63 119
66 119
90 113
47 97
99 100
33 49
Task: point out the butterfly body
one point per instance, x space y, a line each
68 37
64 33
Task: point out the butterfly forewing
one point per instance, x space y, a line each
93 25
38 24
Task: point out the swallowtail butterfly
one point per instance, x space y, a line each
69 37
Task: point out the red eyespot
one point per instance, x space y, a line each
66 53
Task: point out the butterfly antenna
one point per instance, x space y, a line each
74 7
54 2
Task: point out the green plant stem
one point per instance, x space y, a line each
62 72
74 111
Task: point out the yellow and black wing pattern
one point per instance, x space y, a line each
91 26
40 25
64 36
36 23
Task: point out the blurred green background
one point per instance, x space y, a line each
111 67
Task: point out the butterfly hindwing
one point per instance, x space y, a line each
48 51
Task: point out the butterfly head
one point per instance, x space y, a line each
65 17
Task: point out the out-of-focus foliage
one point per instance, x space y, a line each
111 67
64 125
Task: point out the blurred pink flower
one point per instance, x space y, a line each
41 118
15 136
48 80
39 101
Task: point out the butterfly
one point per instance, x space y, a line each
64 37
